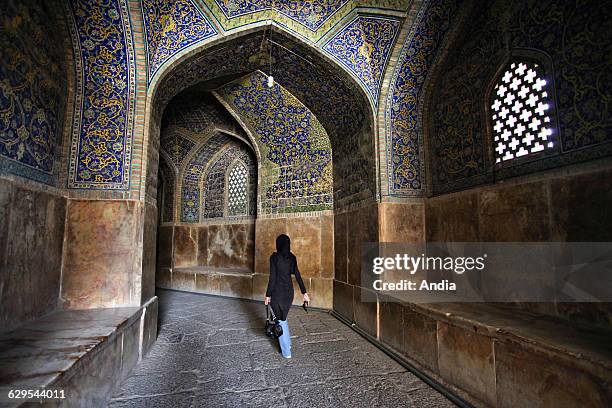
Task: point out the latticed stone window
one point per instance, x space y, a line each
520 112
237 190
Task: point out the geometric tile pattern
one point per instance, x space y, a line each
32 90
553 34
328 92
310 13
363 47
237 190
191 179
215 196
104 113
171 26
168 175
297 175
176 145
519 105
195 112
417 56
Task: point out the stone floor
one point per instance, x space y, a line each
211 352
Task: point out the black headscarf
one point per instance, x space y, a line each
283 245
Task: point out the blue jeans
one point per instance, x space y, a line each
285 339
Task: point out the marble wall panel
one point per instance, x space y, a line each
184 280
163 278
343 299
305 234
202 245
260 284
185 246
208 283
240 286
402 222
527 378
340 247
366 310
327 246
149 253
230 246
452 219
100 252
164 246
391 323
466 359
149 334
421 338
31 239
321 293
519 213
266 231
580 208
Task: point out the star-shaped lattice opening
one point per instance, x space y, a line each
237 191
520 112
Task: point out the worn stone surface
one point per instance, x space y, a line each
240 286
184 280
212 352
208 283
452 219
340 247
421 338
516 213
80 350
229 246
163 278
343 299
580 208
30 260
402 222
202 245
305 234
164 246
149 250
525 376
321 292
102 238
391 323
185 246
149 334
365 304
327 246
466 359
266 231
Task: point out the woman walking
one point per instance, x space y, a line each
280 288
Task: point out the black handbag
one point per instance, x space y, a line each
272 328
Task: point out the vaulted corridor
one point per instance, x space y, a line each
212 352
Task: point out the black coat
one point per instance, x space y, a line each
280 286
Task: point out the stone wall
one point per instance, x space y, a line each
31 239
556 207
232 258
103 256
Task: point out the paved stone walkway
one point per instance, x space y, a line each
211 352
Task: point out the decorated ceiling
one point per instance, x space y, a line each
311 19
338 80
33 90
296 157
